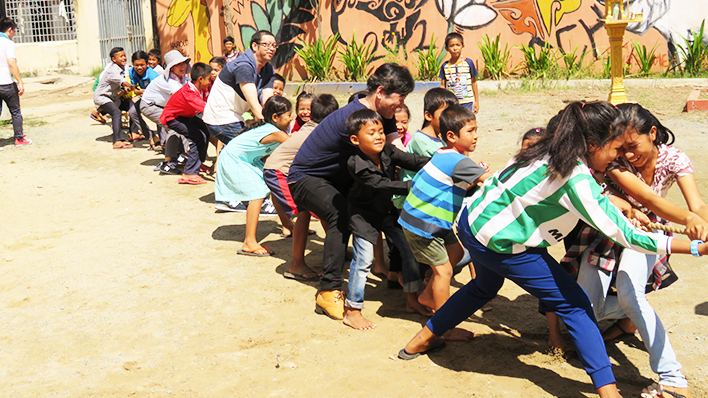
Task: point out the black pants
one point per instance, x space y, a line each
329 203
196 132
11 96
115 112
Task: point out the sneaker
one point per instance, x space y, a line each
231 206
22 141
170 168
159 166
267 208
181 160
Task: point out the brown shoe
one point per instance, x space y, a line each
330 303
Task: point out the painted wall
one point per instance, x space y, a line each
57 56
399 27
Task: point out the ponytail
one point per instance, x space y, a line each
576 127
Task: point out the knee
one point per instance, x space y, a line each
444 271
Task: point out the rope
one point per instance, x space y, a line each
667 228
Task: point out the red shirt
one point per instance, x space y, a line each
186 102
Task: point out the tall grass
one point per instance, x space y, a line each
356 58
541 64
318 57
573 62
644 57
429 61
694 52
496 60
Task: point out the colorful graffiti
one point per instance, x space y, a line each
399 27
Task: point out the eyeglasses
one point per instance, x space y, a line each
268 45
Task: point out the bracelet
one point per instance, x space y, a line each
694 247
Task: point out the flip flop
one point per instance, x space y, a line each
192 181
309 233
97 118
125 145
302 277
254 254
438 345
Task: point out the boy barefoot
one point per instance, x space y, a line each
371 211
435 199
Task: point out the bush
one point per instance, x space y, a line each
544 64
496 60
318 57
356 58
645 58
694 53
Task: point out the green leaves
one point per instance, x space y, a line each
318 57
694 53
542 64
496 60
356 58
429 61
645 58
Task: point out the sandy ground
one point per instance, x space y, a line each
120 282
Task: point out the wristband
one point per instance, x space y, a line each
694 247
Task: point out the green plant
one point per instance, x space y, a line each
607 67
496 60
429 61
541 64
645 58
96 71
573 62
356 58
694 53
318 57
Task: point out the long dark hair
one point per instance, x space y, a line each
275 106
635 116
579 125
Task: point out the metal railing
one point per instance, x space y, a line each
42 20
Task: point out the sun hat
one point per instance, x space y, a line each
173 58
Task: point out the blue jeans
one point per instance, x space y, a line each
360 266
9 94
632 274
226 132
539 274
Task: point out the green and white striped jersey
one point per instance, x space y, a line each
520 207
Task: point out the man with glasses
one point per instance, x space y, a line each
235 90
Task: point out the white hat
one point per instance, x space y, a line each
173 58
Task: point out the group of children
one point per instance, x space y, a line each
412 188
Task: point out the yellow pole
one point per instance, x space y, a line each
615 30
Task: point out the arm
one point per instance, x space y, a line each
250 92
12 64
395 140
375 180
267 93
695 202
696 227
476 95
408 161
276 136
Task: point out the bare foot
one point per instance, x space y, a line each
426 299
659 391
458 334
354 319
422 341
556 342
255 249
619 329
304 271
413 306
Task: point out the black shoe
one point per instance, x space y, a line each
170 168
159 166
181 160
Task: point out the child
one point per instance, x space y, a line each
459 74
278 84
140 77
532 137
108 96
275 174
230 53
435 198
217 64
403 115
155 60
303 105
645 172
371 211
239 174
180 115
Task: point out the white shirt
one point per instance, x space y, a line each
160 90
7 51
224 106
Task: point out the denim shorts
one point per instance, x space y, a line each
225 132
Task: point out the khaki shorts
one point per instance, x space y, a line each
430 251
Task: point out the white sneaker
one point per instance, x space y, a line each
267 208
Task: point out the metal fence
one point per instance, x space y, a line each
42 20
120 24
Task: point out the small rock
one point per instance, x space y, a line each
131 365
8 258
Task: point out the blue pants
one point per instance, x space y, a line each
539 274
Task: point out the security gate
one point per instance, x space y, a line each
120 24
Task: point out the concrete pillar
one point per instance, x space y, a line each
87 35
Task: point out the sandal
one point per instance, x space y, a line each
122 145
192 180
97 117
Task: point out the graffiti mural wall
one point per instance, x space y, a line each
397 28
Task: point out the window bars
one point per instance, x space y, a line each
42 20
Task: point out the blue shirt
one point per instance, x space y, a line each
244 69
145 79
325 152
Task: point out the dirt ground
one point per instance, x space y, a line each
119 282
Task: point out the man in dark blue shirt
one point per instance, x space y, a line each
319 179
